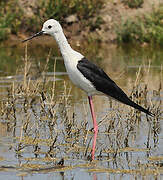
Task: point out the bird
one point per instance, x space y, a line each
85 74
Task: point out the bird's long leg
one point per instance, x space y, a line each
95 126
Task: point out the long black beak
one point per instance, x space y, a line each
35 35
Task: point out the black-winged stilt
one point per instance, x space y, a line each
86 75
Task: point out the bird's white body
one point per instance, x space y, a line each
85 75
71 58
77 77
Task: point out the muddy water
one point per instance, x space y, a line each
44 139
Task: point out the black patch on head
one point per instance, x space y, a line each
104 84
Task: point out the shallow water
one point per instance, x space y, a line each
36 134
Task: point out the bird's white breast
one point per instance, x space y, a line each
75 75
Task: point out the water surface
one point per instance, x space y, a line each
44 119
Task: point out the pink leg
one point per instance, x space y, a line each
95 126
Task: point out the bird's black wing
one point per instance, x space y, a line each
104 84
100 79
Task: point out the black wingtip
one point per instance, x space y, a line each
145 111
140 108
150 114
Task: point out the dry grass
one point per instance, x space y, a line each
46 123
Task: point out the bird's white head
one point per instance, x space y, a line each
51 27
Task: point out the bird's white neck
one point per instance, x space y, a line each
62 42
69 55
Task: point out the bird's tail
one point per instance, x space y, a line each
136 106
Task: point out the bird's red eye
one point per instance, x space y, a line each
49 26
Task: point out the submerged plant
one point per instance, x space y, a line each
46 127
